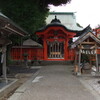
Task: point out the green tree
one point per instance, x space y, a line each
28 14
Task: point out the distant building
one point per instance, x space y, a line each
97 32
56 37
68 19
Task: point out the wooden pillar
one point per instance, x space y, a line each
97 67
75 58
90 60
55 50
75 63
66 49
45 49
49 47
51 50
79 60
58 49
4 64
97 61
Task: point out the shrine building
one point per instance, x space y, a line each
56 38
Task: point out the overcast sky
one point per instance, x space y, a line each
87 11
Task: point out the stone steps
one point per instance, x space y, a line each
56 62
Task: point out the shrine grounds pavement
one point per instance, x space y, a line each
56 82
16 77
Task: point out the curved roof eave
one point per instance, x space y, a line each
55 25
12 26
81 39
78 33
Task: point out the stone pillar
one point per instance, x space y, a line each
3 61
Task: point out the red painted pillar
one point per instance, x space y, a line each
66 50
45 49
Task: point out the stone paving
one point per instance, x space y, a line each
92 82
15 78
4 84
55 82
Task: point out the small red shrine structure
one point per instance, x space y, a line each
33 49
56 38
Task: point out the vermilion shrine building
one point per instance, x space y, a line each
56 38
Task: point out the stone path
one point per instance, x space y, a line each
54 82
92 83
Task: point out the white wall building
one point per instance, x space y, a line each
67 18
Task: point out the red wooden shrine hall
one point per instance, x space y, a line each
56 38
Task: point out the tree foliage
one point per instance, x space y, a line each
25 13
53 2
28 14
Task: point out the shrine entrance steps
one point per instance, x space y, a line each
56 63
